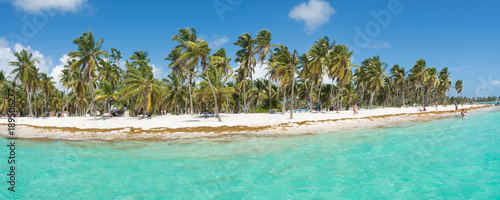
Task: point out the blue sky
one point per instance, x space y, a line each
461 35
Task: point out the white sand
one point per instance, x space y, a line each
183 121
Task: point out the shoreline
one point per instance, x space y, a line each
165 127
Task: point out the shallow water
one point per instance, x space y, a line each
445 159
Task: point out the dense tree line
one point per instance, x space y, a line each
202 79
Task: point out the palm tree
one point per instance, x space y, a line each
445 80
3 78
286 64
246 56
218 78
340 68
398 75
263 46
26 73
140 83
89 56
106 94
175 91
350 95
375 76
459 87
199 52
4 94
431 81
418 76
79 89
319 54
184 35
47 87
139 58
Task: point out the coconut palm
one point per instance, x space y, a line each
88 56
217 78
5 94
319 59
176 92
141 84
3 78
431 82
246 56
445 82
286 64
459 87
106 93
181 67
25 73
374 76
139 58
199 52
46 87
418 77
304 64
398 75
350 95
340 68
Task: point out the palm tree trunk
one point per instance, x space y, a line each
319 95
186 106
283 103
45 104
215 96
244 96
291 100
331 95
227 104
341 93
404 102
310 96
251 93
270 100
371 99
189 90
92 96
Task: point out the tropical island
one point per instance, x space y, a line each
203 91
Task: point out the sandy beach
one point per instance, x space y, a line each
187 126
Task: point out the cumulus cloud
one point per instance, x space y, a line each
57 70
157 71
260 71
4 42
37 5
495 82
6 56
314 13
217 41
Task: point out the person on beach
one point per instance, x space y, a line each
436 105
355 109
463 114
456 106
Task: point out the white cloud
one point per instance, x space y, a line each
217 42
377 44
3 42
260 71
495 82
157 71
57 70
6 56
37 5
315 13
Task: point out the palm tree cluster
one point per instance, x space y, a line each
202 80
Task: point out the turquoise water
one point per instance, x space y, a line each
444 159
